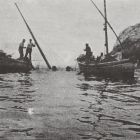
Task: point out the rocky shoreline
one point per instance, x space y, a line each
130 39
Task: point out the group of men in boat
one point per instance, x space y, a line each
28 49
89 57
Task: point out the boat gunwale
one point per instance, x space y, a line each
106 63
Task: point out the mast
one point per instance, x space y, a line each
105 28
30 31
107 22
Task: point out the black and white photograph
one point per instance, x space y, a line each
69 70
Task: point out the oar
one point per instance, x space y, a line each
29 29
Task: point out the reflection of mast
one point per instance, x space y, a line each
105 28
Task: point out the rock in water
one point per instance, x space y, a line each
68 68
54 68
130 38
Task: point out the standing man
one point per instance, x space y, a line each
29 49
20 49
88 52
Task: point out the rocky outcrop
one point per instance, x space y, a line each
130 39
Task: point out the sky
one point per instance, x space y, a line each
62 27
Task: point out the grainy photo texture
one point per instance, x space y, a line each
69 70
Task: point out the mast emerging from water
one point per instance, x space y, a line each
29 29
105 28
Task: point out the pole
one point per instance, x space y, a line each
106 34
107 22
29 29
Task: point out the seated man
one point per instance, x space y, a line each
100 58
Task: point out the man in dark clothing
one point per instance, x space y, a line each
88 52
29 49
20 49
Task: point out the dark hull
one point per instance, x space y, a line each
15 66
115 69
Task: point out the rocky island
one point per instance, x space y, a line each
130 39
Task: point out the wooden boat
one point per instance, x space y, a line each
115 69
10 65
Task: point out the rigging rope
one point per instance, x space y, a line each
107 22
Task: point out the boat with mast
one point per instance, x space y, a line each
11 65
114 68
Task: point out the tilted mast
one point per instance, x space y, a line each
29 29
105 28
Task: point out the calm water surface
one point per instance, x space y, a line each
64 106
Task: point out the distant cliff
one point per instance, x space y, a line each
130 38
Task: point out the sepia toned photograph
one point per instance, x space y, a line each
70 70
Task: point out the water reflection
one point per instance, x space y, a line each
17 91
132 80
25 81
20 84
60 105
110 106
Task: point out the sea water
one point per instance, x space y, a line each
61 105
